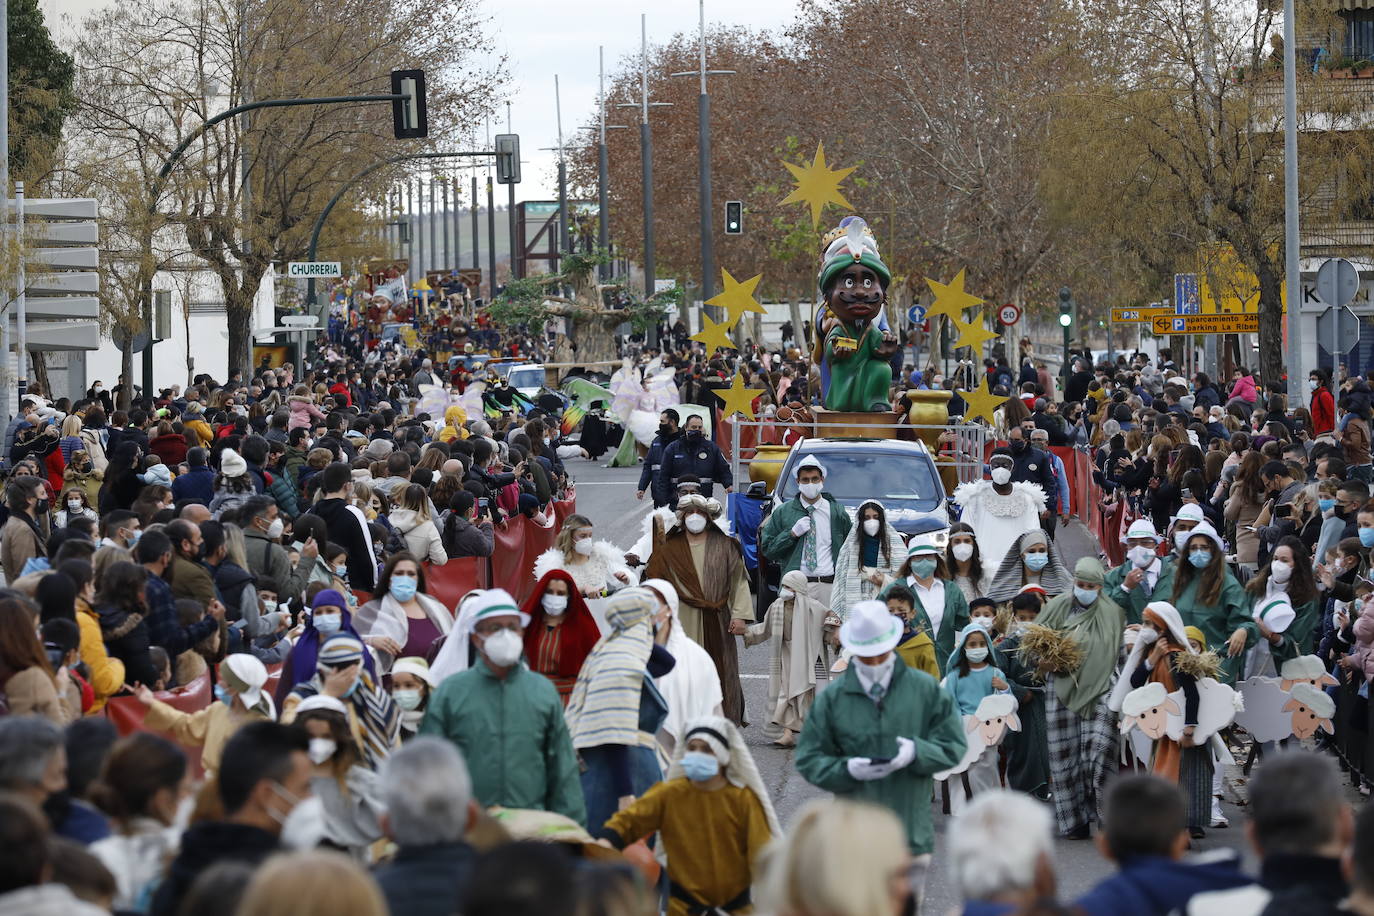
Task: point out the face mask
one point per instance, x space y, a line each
1020 627
321 749
695 523
73 505
786 594
134 536
409 700
1000 476
1181 539
554 604
664 429
303 828
977 656
1326 505
694 434
1147 635
1312 384
327 623
1018 445
923 568
403 588
1037 561
584 546
275 529
871 526
1367 537
223 695
810 490
503 648
963 551
1141 557
1085 596
1200 558
699 766
269 606
1280 571
341 571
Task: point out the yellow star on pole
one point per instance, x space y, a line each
950 298
972 333
981 402
737 298
715 334
818 185
737 398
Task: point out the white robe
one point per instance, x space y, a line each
998 520
691 689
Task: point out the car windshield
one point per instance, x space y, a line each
531 377
896 480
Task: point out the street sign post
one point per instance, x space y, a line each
1337 283
1205 324
1340 329
916 314
1009 314
1140 316
303 270
1186 299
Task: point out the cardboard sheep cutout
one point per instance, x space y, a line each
1305 669
1156 714
986 728
1268 715
1148 708
1311 709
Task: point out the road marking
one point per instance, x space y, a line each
756 677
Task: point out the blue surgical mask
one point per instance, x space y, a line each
403 588
1037 561
327 623
1200 558
700 766
924 568
1326 505
1367 537
1085 596
223 695
341 572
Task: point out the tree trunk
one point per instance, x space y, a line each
594 336
39 361
240 320
1271 322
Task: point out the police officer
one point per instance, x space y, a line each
650 478
1033 466
695 454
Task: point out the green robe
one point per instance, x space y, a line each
955 619
1218 621
860 381
844 722
1134 601
1297 639
782 547
513 735
1028 760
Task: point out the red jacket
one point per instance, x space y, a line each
1323 411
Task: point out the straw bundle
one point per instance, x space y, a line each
1049 649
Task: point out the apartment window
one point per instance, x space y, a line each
1359 34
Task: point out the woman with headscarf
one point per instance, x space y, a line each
792 627
1208 597
714 816
940 609
328 615
868 557
402 620
561 632
692 688
373 717
1032 559
615 709
344 783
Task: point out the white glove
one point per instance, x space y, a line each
865 770
906 753
802 526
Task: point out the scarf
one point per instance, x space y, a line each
1097 631
374 717
604 708
580 632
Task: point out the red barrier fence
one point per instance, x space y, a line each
127 713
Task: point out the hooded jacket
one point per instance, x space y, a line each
1152 886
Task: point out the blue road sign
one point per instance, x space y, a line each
1180 325
1186 299
916 314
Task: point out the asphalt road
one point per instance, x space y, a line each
607 497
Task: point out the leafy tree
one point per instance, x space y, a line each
40 81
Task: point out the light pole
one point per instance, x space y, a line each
603 169
1290 209
708 265
510 205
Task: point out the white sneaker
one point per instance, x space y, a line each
1218 819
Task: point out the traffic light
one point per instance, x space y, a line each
734 217
1065 307
507 158
409 119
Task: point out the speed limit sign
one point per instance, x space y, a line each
1009 314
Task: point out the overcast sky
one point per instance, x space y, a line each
546 37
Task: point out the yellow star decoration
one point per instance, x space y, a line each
818 185
737 398
972 333
950 298
715 334
981 402
737 298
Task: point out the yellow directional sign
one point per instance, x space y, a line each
1138 316
1205 324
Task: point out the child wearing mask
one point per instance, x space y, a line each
411 684
916 648
1028 763
344 784
972 675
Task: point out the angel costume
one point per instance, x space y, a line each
596 572
997 519
792 627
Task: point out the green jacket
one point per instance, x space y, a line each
1217 622
1297 639
955 619
1134 601
785 549
513 735
845 723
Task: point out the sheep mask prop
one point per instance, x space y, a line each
1312 709
986 728
1305 669
1147 708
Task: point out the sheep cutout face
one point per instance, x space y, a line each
1311 709
1148 708
1305 669
985 728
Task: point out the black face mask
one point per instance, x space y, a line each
1018 445
664 429
694 434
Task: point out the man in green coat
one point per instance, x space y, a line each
807 531
1144 577
881 731
506 719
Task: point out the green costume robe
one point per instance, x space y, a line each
1218 621
845 722
860 381
1133 602
955 619
1297 639
512 733
782 547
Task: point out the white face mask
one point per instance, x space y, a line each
696 523
554 605
73 505
810 490
1000 476
978 655
1141 557
503 648
1181 539
321 749
963 551
786 594
584 546
1147 635
275 529
871 526
1280 572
